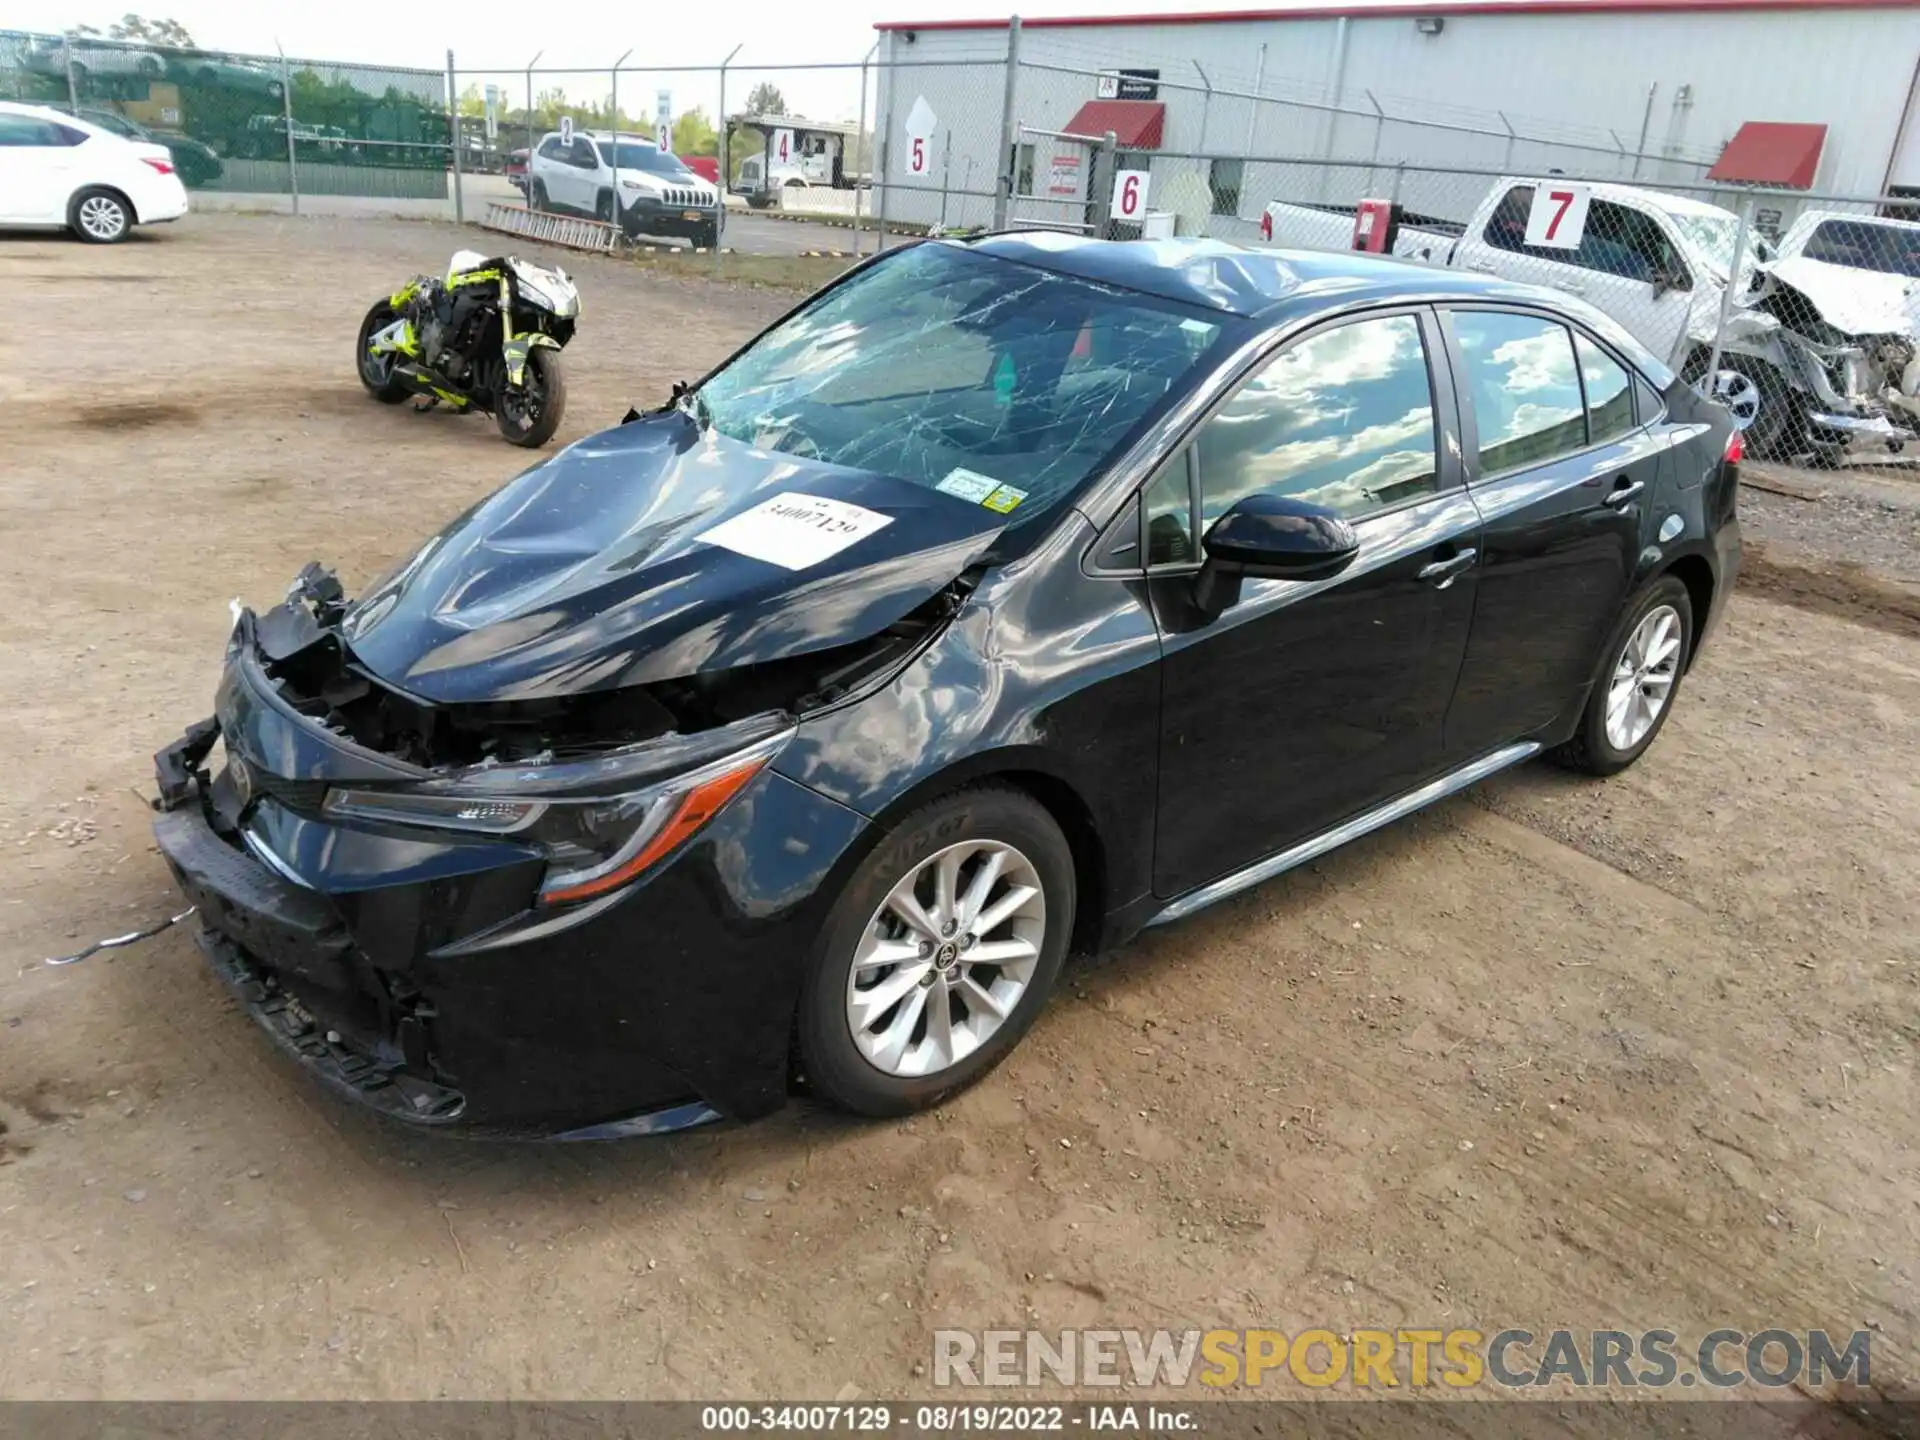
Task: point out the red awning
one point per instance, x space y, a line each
1765 152
1136 124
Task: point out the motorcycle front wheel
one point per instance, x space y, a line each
528 416
376 371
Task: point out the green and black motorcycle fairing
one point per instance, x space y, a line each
487 337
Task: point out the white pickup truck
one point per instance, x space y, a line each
1815 357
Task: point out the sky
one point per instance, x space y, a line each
500 37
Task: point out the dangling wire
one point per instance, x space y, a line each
118 940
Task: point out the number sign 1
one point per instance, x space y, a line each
1559 215
1130 194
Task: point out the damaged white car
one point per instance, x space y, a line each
1818 356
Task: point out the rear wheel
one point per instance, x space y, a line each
376 371
939 954
1633 693
100 216
528 416
537 195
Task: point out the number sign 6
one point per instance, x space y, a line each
1130 194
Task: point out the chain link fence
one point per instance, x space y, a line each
1801 309
248 124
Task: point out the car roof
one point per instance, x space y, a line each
1820 217
62 117
1277 285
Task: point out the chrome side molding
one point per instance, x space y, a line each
1318 845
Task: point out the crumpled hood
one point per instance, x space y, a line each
588 572
1855 302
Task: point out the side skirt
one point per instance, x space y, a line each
1318 845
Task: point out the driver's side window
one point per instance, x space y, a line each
1342 419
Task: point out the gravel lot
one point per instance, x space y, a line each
1629 1054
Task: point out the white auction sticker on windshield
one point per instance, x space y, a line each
967 484
795 530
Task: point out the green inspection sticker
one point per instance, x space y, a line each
1004 499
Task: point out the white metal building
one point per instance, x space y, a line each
1651 90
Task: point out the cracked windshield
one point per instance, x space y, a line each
958 371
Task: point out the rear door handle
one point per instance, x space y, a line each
1620 496
1442 573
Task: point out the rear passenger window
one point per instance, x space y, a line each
1647 401
1609 392
1525 389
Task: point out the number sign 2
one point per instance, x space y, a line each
1559 215
1130 194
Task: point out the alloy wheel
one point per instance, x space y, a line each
1740 395
102 217
1643 677
946 958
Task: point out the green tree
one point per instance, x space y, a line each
138 27
766 99
693 134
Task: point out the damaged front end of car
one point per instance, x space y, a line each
1832 350
532 894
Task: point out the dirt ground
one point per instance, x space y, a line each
1630 1054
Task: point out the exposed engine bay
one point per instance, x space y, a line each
304 653
1837 360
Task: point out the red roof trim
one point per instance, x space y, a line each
1400 8
1771 152
1136 124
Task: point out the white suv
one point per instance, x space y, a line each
649 191
60 172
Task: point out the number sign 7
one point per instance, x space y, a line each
1558 217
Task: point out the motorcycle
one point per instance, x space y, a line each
486 338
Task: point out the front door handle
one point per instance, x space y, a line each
1621 494
1442 573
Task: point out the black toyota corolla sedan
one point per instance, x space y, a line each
1004 598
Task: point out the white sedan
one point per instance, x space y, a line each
60 172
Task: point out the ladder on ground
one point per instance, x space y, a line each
568 230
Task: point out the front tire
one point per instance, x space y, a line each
529 417
603 207
100 216
1633 693
376 371
939 954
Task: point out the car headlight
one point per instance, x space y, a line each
593 843
631 185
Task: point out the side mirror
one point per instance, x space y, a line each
1273 536
1665 280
